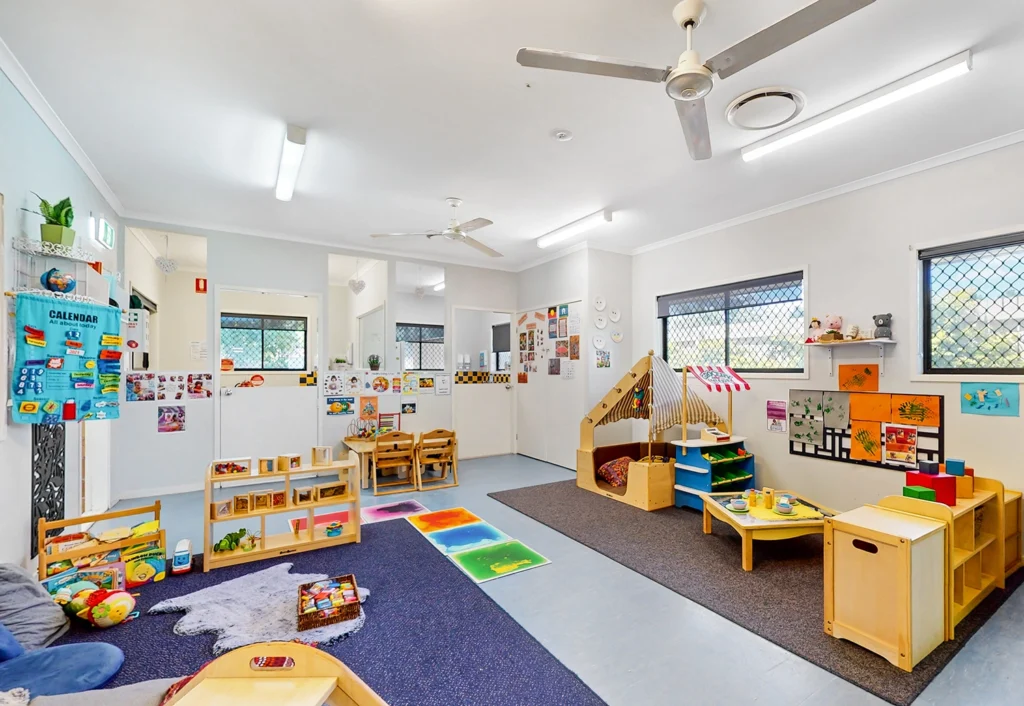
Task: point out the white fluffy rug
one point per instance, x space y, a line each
257 607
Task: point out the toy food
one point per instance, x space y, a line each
73 596
105 609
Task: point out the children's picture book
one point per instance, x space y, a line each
497 560
145 567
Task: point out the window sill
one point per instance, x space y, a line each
922 377
776 376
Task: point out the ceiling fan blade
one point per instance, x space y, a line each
401 235
693 115
475 224
780 35
481 247
590 64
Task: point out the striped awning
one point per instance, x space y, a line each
718 378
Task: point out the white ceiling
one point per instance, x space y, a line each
410 276
410 101
340 268
189 251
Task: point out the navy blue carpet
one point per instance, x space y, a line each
431 635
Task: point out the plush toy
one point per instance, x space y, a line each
883 325
105 609
833 329
814 331
638 397
73 596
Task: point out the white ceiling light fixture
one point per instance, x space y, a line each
291 161
439 286
575 228
916 83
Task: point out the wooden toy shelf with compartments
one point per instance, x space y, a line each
275 545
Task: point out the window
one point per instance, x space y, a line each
974 307
501 347
257 342
753 327
422 346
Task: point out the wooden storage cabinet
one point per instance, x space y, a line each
730 469
885 582
1012 546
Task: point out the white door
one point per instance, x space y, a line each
482 413
549 406
96 457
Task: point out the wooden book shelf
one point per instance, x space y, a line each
276 545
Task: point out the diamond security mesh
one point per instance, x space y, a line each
749 327
264 342
976 306
422 346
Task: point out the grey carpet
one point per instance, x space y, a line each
785 588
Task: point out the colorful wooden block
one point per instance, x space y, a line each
918 478
919 492
944 486
969 472
955 466
964 487
928 467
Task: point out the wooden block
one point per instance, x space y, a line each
918 478
955 466
919 492
968 471
930 468
965 487
944 486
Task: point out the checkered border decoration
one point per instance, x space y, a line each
308 379
472 377
500 378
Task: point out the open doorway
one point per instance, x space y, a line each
358 310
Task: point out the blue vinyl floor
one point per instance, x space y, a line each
650 645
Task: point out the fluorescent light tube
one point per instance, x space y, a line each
575 228
439 286
887 95
291 160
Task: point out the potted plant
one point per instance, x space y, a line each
339 364
58 217
373 360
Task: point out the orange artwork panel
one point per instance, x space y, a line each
443 519
867 407
866 441
858 378
918 410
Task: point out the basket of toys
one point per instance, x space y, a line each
327 602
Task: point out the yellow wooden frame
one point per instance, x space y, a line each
396 449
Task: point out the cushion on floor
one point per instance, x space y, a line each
27 610
615 472
9 645
62 670
147 693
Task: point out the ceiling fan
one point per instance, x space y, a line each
455 231
690 81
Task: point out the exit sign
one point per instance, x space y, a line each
105 234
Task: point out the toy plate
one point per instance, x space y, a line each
784 514
738 512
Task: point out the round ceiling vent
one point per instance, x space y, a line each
765 108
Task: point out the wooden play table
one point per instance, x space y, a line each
750 527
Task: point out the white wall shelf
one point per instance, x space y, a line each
877 343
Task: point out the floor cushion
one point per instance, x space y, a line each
615 472
147 693
62 670
27 610
9 645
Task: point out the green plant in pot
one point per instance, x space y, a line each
58 217
373 361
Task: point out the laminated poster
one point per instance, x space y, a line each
170 419
409 405
411 382
67 364
568 370
443 384
340 406
368 409
990 399
426 384
200 386
352 383
602 359
900 445
140 387
171 386
778 421
554 366
334 383
380 384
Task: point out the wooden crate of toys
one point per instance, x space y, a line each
327 602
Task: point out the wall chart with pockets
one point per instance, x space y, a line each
67 365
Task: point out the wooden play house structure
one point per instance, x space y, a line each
651 390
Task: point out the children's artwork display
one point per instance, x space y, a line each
806 430
554 366
200 386
497 560
467 537
170 419
574 347
140 387
866 441
67 365
836 408
443 384
391 511
917 410
368 409
900 445
562 348
858 378
865 407
340 406
171 386
990 399
806 403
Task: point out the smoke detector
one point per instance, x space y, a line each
765 108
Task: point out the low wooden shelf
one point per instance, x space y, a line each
276 545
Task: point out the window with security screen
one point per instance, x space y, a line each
264 343
974 307
756 326
422 346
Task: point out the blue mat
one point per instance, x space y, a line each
431 635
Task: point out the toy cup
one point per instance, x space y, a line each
738 504
784 507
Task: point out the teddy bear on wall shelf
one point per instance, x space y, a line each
833 329
883 325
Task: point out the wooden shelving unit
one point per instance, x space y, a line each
1013 547
276 545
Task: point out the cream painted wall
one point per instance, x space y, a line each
143 275
610 275
182 321
337 311
375 294
858 249
410 309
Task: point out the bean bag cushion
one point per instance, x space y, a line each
27 610
62 670
9 646
147 693
614 472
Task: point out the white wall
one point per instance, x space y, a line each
182 321
32 159
857 248
337 310
410 309
374 295
143 275
609 275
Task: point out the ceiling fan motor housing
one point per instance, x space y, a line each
691 80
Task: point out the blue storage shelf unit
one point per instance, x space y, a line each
697 474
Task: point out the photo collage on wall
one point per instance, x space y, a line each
549 342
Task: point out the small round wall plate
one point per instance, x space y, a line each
600 321
599 342
614 315
600 303
616 336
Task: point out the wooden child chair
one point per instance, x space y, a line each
438 447
394 451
